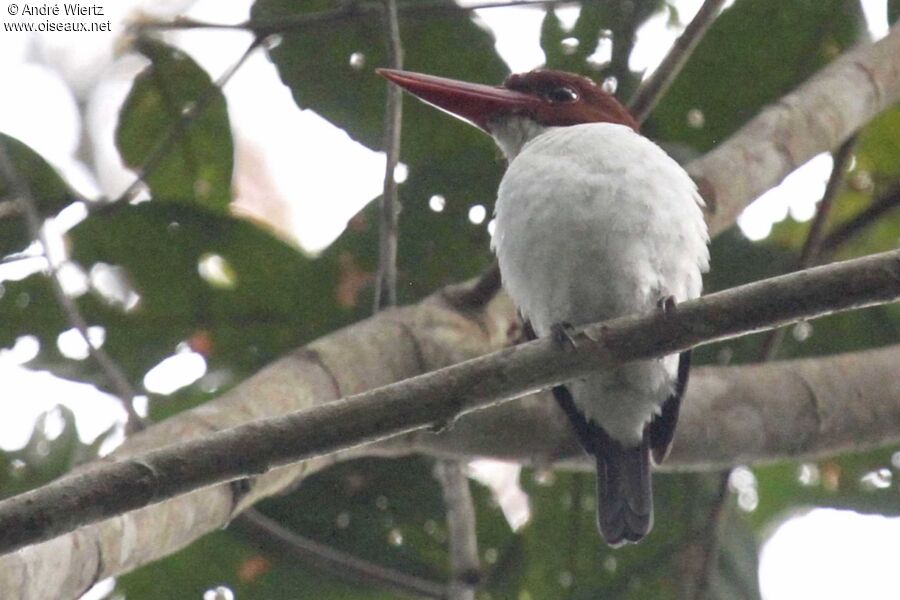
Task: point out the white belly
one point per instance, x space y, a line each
594 222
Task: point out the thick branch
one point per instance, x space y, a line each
438 397
748 414
396 344
816 117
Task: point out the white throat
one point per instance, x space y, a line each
512 133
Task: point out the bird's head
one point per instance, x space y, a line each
521 108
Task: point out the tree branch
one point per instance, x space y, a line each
268 533
389 207
656 86
732 415
461 531
816 117
349 11
116 377
748 414
438 397
809 255
882 205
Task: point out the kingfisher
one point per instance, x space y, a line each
592 221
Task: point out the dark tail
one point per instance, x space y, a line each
624 490
624 493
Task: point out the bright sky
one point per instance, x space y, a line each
825 554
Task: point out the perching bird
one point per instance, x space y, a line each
593 221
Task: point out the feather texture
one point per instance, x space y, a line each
594 221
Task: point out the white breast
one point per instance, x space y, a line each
595 221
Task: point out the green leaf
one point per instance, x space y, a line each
273 297
444 156
197 163
893 11
49 192
262 297
755 52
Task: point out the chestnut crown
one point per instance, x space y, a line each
568 99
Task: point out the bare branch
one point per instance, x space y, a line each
114 374
882 205
733 415
389 207
439 397
464 565
742 415
270 534
810 253
348 11
656 86
816 117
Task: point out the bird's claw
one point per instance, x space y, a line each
563 335
667 304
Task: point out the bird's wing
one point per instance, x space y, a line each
662 426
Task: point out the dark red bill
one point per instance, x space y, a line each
473 102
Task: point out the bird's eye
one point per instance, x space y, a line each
562 94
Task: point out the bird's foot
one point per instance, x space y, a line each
667 304
563 335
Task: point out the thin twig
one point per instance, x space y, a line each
386 279
267 530
117 378
841 234
476 296
810 253
440 396
627 16
771 344
465 570
708 558
270 534
347 11
454 484
186 117
655 87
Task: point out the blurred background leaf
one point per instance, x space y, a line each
197 168
755 52
444 157
50 191
179 272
